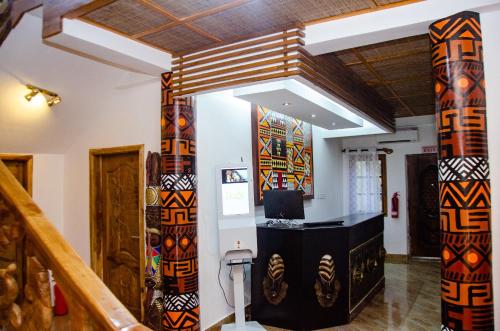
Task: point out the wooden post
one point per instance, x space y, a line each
464 186
178 211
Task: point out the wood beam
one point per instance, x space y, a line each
174 18
395 81
202 32
284 36
215 10
20 7
329 73
411 95
107 28
159 9
375 73
155 29
90 7
373 4
390 57
362 11
188 19
54 11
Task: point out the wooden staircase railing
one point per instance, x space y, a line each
91 305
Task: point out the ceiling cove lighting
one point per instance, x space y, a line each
311 104
51 97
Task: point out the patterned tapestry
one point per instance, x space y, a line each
283 153
153 305
464 182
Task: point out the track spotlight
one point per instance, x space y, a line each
30 95
54 101
51 97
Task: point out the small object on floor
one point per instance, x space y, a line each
248 326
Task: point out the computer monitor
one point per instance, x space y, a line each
284 204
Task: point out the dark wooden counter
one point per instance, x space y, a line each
288 290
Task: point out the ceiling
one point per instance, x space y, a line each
399 70
185 26
293 97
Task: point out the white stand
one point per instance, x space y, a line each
239 304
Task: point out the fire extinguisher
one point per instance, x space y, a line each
395 205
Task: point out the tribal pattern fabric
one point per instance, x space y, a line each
178 212
464 186
153 306
283 149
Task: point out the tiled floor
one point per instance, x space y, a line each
409 302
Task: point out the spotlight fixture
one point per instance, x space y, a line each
286 103
54 101
51 97
32 94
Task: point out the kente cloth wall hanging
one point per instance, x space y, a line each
282 153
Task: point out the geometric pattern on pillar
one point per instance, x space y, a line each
181 309
153 305
464 188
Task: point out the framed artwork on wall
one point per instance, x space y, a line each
282 153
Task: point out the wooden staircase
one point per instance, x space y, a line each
91 305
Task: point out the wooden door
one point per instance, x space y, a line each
21 167
423 204
117 222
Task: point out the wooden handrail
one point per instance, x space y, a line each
74 277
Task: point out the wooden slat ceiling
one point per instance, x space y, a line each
186 26
400 70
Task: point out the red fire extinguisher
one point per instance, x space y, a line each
395 205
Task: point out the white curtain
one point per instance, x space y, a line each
365 183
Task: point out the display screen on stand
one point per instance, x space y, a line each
235 191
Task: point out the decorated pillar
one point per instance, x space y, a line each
464 187
153 304
178 211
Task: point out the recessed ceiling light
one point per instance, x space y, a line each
286 103
313 115
333 124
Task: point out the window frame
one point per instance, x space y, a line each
383 176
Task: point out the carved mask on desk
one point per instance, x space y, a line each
326 286
274 286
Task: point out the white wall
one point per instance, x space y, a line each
48 186
87 88
125 117
491 43
102 106
396 230
224 136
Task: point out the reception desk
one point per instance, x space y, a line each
308 278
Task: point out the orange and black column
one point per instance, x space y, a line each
181 309
464 186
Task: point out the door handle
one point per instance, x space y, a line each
135 237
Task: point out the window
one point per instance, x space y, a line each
368 184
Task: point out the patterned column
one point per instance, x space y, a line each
153 305
178 211
464 187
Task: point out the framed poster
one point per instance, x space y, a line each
282 153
